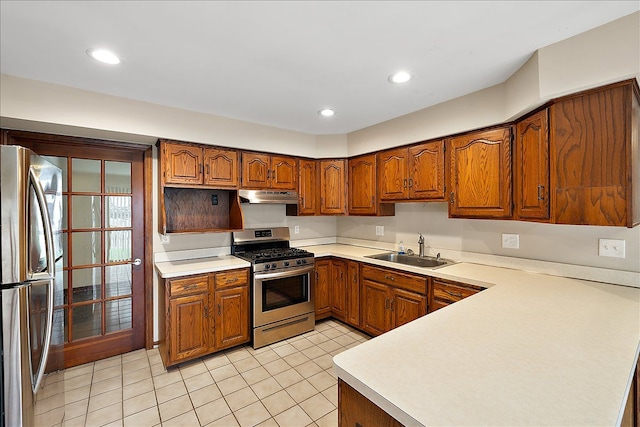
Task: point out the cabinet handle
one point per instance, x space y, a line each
268 173
206 312
410 182
540 192
208 169
219 310
232 280
392 301
405 183
386 304
390 278
453 294
302 201
452 197
201 168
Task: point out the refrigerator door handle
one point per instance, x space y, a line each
37 377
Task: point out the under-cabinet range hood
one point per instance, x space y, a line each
269 196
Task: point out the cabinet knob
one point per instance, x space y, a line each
410 182
219 310
206 312
540 192
452 197
405 183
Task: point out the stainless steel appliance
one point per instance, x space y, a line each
282 286
31 276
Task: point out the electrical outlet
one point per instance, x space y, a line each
164 238
511 241
296 229
611 247
379 230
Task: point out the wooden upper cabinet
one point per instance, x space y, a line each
363 188
427 171
332 187
181 163
595 138
221 168
531 168
413 173
263 171
308 187
480 173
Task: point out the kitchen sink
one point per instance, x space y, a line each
427 262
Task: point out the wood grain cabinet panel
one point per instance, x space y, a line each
531 168
264 171
375 307
232 317
445 292
338 288
188 333
221 168
352 315
333 187
363 188
323 288
480 171
182 164
413 173
307 189
355 410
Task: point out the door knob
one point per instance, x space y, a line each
137 261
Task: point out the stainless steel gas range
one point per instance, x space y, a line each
282 284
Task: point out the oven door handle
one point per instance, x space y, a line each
281 274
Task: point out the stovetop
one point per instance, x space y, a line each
272 254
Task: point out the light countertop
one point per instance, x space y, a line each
169 269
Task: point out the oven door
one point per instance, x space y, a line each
283 294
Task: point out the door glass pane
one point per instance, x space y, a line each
117 177
118 245
87 284
87 320
58 332
60 162
117 211
85 175
118 314
117 280
86 248
37 243
86 212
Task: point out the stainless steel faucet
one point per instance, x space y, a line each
421 246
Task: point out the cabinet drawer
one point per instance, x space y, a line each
188 285
395 279
451 292
231 278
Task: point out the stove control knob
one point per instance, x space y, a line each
304 261
267 266
273 265
286 263
299 261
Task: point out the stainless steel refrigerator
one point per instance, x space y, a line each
31 276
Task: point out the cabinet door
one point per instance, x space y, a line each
308 187
480 166
352 315
362 185
255 170
393 175
406 306
182 164
231 317
375 305
322 288
188 327
426 171
284 173
338 288
531 171
332 187
221 167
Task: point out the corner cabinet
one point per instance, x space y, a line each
363 188
197 188
265 171
203 314
480 174
390 298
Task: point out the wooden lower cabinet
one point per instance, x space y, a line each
352 315
337 290
323 288
445 292
390 299
356 410
204 313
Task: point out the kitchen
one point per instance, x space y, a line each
554 70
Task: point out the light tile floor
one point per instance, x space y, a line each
290 383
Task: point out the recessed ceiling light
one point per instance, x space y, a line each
326 112
400 77
104 55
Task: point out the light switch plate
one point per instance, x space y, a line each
296 229
611 248
511 241
379 230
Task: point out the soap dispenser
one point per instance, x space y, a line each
401 247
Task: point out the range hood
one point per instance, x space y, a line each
268 196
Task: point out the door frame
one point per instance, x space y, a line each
8 137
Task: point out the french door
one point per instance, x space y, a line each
103 303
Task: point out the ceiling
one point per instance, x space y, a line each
279 63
